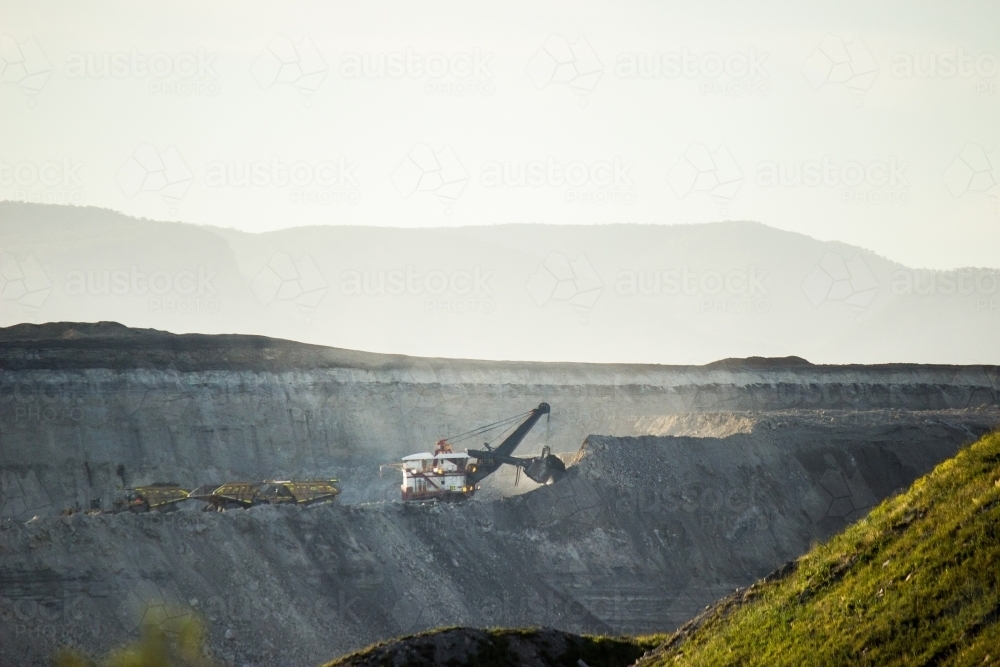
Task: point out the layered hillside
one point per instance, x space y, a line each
86 408
684 483
639 536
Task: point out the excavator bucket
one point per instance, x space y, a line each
546 468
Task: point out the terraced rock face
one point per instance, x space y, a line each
642 533
87 408
705 479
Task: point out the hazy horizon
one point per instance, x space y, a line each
874 126
672 294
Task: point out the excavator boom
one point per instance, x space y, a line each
490 461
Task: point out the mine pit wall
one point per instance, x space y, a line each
640 535
69 438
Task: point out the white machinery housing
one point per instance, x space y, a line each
439 475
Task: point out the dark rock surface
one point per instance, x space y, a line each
705 479
640 535
86 408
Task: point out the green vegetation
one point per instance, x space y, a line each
914 583
169 639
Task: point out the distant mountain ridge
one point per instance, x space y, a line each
669 294
85 345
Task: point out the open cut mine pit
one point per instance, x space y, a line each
682 484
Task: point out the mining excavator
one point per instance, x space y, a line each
452 476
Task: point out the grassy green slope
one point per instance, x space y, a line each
914 583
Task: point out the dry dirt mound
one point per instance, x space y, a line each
457 647
758 362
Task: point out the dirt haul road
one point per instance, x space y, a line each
709 478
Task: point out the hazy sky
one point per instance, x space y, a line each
873 123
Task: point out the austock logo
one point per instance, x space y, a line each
574 282
826 172
25 403
736 291
730 510
458 74
837 62
298 64
980 285
975 170
833 279
944 65
687 64
182 74
732 74
454 291
149 170
153 606
23 64
49 182
598 182
22 496
875 181
23 282
41 607
839 490
945 283
715 173
560 62
285 279
323 182
426 170
186 290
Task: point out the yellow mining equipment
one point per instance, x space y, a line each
159 497
234 495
